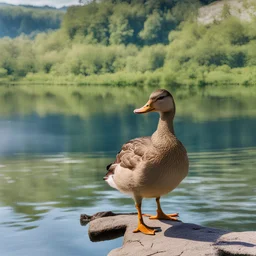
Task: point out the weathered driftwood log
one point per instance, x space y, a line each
173 238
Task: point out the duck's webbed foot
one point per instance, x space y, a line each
144 229
161 215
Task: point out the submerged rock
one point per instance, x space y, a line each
173 238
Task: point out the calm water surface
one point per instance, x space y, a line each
55 144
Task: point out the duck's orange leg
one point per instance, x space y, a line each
142 227
161 215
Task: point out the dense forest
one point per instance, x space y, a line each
136 42
16 20
136 22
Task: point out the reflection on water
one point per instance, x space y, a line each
51 167
220 189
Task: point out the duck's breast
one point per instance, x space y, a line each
164 175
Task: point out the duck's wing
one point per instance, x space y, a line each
130 155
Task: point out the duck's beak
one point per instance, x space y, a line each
146 108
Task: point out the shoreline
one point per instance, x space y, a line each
152 79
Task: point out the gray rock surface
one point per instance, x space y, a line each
173 238
242 9
237 243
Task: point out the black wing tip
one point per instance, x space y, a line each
108 166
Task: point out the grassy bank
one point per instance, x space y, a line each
238 77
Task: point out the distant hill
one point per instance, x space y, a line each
29 20
44 7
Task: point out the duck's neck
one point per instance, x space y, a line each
165 130
165 124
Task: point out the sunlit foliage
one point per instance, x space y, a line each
133 43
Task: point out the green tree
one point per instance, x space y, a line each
152 28
119 27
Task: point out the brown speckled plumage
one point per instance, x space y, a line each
151 166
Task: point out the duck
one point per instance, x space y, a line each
153 166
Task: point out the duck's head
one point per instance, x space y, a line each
159 101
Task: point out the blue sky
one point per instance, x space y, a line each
56 3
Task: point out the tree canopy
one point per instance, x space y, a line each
140 22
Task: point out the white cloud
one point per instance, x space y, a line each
56 3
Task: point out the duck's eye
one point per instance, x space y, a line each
160 98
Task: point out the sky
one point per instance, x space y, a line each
55 3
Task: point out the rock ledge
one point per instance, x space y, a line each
173 239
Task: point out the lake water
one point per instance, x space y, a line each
56 141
